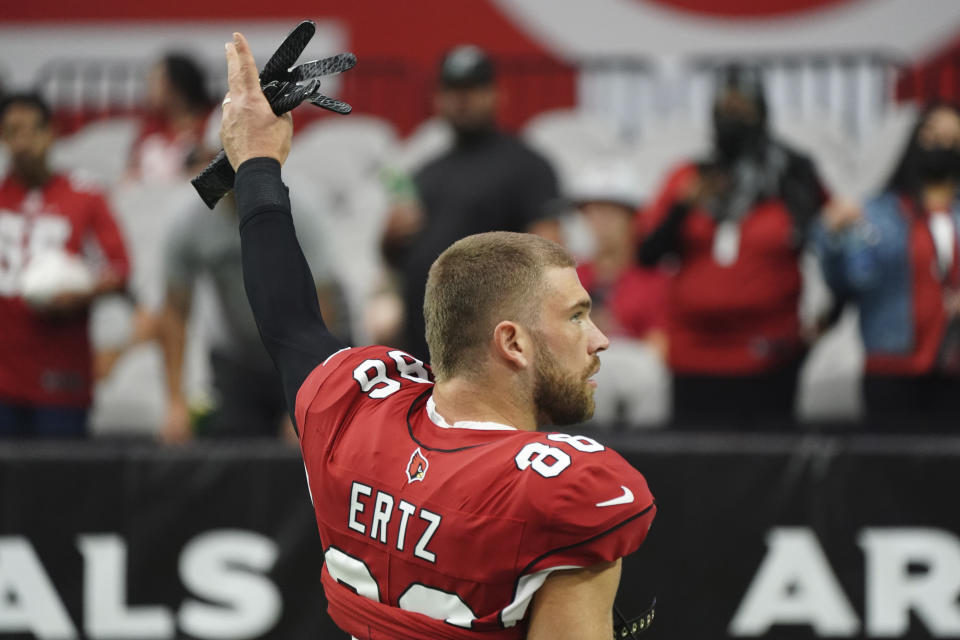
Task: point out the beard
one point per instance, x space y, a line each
562 397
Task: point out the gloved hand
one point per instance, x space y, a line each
285 86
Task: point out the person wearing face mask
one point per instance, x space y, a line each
898 260
733 226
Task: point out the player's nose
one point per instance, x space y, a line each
597 341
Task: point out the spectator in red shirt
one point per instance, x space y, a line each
735 224
45 355
170 143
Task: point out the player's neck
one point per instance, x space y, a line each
459 399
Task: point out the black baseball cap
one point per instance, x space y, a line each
466 66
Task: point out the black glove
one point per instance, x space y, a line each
285 87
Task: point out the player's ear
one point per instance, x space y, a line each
513 344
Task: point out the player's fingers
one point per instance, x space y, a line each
248 66
241 67
233 69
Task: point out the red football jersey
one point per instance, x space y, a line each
46 360
432 530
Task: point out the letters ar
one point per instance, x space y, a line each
795 585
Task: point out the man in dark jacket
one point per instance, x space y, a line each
488 181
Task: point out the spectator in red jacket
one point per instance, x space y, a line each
45 355
735 224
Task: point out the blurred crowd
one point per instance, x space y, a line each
122 309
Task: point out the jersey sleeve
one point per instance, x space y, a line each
597 509
338 386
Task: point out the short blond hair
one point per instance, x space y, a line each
478 282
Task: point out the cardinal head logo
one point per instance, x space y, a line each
417 467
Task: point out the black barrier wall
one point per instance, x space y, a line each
769 537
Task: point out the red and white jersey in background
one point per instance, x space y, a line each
46 360
432 530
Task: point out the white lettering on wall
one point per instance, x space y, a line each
105 610
931 590
227 568
794 585
28 601
907 570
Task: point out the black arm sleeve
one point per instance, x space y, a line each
279 285
665 239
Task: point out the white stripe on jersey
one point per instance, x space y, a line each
330 357
527 586
439 420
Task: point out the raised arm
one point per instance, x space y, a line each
279 285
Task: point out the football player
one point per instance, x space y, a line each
442 511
